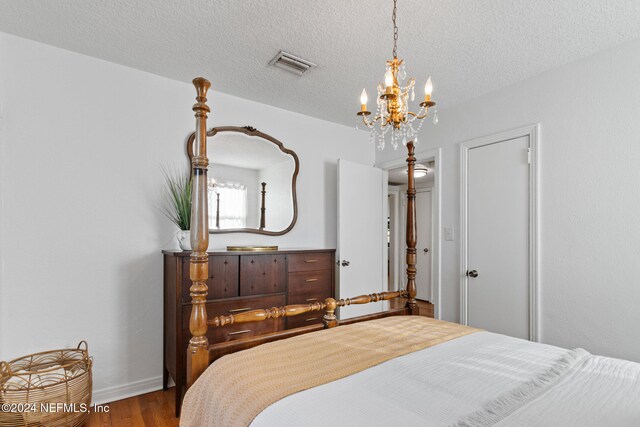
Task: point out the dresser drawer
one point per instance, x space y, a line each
310 261
262 274
305 319
310 282
238 330
309 297
223 277
244 330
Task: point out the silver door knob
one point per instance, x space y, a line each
344 263
426 250
472 273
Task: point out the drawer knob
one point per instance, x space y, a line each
309 261
311 319
239 332
311 299
312 280
237 310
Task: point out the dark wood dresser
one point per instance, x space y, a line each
241 281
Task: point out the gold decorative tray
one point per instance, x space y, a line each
251 248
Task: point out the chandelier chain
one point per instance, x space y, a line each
395 29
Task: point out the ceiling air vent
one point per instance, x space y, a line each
291 63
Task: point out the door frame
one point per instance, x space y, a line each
436 218
533 132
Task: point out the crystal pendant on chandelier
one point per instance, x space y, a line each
402 72
392 103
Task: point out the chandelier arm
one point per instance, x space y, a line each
417 116
370 122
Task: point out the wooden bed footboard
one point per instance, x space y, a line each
218 350
199 353
330 320
329 305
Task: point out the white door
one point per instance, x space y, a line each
498 237
362 234
423 246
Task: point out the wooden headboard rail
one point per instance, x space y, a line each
199 353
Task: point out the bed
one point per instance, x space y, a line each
390 368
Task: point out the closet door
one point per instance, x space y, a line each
497 270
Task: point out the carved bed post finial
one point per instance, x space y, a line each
330 316
412 305
198 351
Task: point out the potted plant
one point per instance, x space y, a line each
177 203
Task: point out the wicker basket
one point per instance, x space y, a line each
52 388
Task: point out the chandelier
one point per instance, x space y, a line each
392 104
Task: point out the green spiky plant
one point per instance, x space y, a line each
177 197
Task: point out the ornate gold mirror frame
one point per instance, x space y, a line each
251 131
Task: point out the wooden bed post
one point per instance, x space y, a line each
329 319
263 207
217 209
198 351
411 233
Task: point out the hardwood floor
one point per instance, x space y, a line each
157 409
147 410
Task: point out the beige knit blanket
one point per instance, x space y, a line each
237 387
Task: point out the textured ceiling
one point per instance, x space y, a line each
470 47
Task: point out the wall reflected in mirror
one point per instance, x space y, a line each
251 182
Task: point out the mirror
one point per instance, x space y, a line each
252 182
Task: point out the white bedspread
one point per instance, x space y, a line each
479 379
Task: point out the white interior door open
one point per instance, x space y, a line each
497 258
362 234
424 244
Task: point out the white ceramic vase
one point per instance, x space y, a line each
184 239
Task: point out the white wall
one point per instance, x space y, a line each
589 113
80 183
2 156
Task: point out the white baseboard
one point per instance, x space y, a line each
118 392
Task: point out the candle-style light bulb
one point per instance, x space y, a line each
388 78
428 88
363 100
